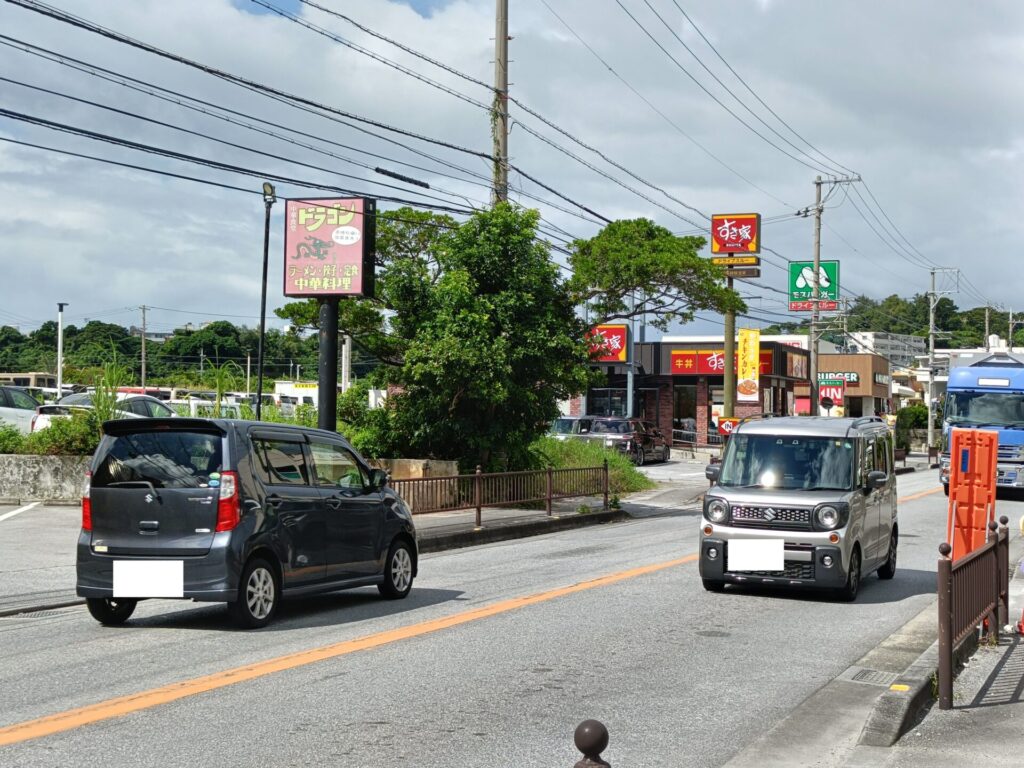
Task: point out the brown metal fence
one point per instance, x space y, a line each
479 490
972 591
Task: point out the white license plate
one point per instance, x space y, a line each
149 578
755 555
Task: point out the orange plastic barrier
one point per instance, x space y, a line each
974 454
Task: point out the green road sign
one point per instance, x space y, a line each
801 281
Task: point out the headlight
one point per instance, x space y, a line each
717 511
828 517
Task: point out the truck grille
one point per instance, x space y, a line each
772 517
792 569
1011 453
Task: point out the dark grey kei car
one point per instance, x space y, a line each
238 512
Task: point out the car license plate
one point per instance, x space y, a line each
149 578
755 555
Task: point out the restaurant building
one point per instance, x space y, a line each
868 385
679 385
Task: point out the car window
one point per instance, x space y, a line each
137 407
4 402
882 455
280 463
158 410
869 461
337 467
21 400
165 459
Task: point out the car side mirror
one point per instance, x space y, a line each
712 471
877 479
378 478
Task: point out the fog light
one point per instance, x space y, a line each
827 561
707 530
834 538
712 553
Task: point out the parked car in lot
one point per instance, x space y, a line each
17 407
205 409
128 406
239 512
638 439
565 427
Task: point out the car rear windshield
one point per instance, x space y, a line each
788 463
167 459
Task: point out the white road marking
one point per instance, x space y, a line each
19 510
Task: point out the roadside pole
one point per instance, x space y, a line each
816 283
327 390
60 348
729 371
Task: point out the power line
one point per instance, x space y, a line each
754 94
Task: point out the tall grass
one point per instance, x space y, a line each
623 477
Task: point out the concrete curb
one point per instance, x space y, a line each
897 711
471 538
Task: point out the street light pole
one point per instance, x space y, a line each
268 199
60 348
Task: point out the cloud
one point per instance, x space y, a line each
918 97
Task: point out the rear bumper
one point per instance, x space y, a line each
212 577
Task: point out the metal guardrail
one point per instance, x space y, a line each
495 489
973 591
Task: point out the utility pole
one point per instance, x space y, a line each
499 112
729 353
1009 336
631 359
202 357
816 285
346 363
143 308
248 372
988 347
931 362
60 348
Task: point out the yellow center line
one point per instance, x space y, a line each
136 702
920 495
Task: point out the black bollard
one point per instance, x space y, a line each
591 739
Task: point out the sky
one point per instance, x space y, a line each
920 100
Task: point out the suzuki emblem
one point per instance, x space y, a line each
149 498
769 514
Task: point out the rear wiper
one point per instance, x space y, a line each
146 483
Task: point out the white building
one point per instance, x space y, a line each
899 348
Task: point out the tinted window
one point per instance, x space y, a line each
158 409
280 463
22 400
611 428
79 398
138 407
337 467
165 459
562 426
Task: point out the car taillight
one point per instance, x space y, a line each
35 418
229 505
87 503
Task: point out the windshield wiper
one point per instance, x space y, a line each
146 483
823 488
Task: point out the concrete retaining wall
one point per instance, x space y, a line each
41 478
412 469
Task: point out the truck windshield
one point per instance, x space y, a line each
998 409
788 463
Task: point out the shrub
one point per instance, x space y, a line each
623 477
11 440
912 417
75 435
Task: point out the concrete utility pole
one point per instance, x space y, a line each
931 362
630 361
1009 336
346 363
729 353
60 348
499 113
816 287
143 308
988 347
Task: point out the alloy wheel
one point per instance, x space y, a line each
401 569
259 593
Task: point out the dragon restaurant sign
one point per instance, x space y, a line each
329 247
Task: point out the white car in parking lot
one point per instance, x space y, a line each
17 407
129 407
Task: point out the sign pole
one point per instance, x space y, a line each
813 340
729 404
327 393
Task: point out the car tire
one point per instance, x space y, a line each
259 594
849 592
945 488
713 586
888 569
110 611
637 456
397 571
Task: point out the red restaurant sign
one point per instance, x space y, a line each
329 247
609 343
736 233
708 362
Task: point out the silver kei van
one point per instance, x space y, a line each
801 502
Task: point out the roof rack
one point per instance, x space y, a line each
862 420
765 415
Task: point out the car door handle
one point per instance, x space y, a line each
275 501
334 502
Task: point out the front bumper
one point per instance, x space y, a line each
1008 475
805 565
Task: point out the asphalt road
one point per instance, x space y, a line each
493 659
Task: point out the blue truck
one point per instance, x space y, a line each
988 394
